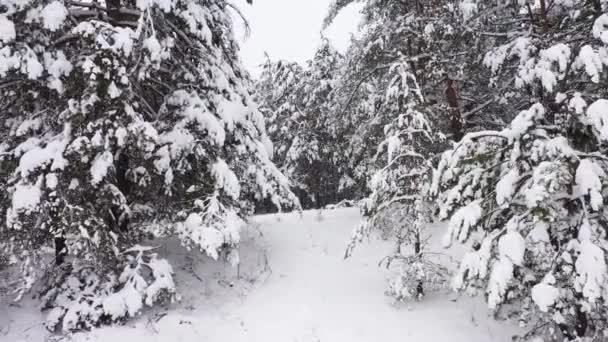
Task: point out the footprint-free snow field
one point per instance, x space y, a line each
293 285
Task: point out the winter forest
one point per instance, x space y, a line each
443 178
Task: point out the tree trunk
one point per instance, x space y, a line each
417 251
543 13
61 250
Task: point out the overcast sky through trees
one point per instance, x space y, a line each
299 34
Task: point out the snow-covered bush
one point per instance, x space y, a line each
119 118
84 297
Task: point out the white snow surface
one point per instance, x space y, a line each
293 286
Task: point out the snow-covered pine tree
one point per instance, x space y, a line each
384 112
298 104
278 93
398 205
391 32
122 119
530 199
443 41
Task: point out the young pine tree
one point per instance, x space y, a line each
398 205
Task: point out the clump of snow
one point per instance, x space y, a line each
123 40
195 16
28 126
52 181
600 28
97 139
560 97
153 46
226 179
114 91
179 139
461 223
588 182
37 157
74 184
127 302
53 15
8 61
577 103
523 121
7 29
591 269
268 145
511 250
429 29
520 47
26 197
232 112
121 136
194 110
32 66
506 187
597 114
539 233
501 276
393 145
590 266
468 8
162 273
209 239
474 264
512 246
545 294
558 53
543 68
546 180
591 61
101 164
56 67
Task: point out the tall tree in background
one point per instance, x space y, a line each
120 121
444 51
298 102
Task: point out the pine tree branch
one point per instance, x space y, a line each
478 108
371 73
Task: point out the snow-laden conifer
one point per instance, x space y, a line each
121 120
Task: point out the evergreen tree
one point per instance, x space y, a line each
444 44
384 111
529 199
398 205
298 104
123 120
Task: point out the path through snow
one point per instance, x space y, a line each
309 294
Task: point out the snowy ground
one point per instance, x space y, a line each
293 286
